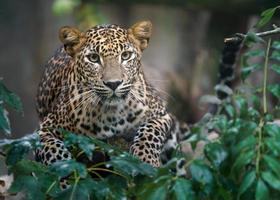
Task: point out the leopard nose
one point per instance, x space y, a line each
112 84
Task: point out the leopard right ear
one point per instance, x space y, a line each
140 34
72 39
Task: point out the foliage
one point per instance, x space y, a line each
266 16
243 163
85 13
10 99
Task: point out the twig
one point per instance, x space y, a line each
261 125
265 76
238 36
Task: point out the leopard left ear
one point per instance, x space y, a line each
140 34
72 39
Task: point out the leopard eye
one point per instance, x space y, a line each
93 58
126 55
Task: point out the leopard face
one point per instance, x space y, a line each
107 58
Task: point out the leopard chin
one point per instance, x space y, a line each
113 101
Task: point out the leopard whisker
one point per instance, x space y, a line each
86 97
70 100
159 91
68 87
135 97
92 102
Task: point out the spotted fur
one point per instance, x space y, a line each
95 85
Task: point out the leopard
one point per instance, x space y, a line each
95 85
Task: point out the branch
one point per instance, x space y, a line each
241 36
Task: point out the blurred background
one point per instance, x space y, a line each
181 61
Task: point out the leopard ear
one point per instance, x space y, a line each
72 39
140 34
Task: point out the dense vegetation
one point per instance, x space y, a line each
243 163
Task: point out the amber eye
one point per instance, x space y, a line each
126 55
93 58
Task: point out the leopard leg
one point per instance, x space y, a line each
150 138
52 147
178 133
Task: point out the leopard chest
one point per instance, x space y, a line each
104 122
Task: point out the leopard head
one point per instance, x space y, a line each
107 57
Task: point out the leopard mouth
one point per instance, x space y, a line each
115 98
111 103
112 97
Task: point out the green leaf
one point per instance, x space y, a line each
10 98
246 71
262 192
273 145
61 7
29 185
242 105
265 17
230 110
50 184
271 180
272 130
252 38
247 127
275 90
222 192
182 190
66 167
17 151
83 142
273 164
275 55
249 179
215 153
129 165
201 172
26 167
243 159
268 118
246 144
253 113
111 150
117 186
276 45
256 102
81 191
4 121
100 189
46 181
158 192
276 68
221 123
202 177
256 52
